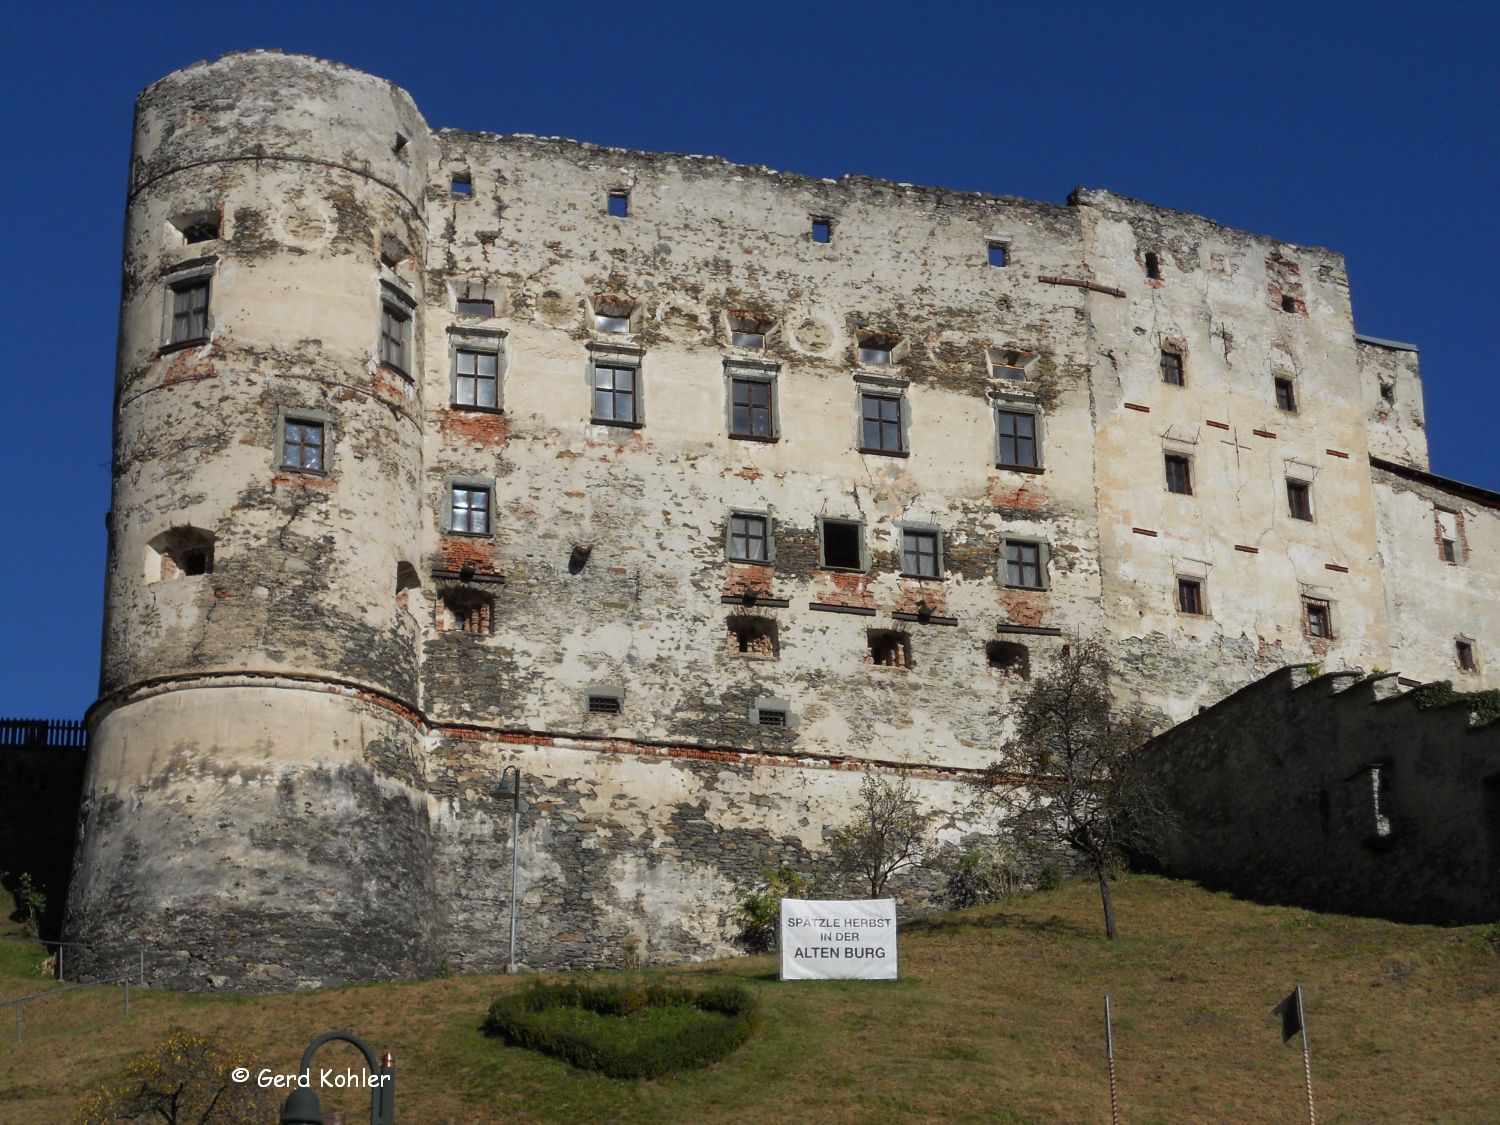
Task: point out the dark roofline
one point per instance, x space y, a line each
1456 487
1395 345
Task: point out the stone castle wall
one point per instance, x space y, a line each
322 703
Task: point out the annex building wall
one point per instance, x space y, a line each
694 490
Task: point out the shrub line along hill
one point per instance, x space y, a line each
997 1017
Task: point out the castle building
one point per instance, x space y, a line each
693 490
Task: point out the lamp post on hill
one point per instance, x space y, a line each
303 1107
510 786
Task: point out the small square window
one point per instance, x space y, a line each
1299 499
461 184
1171 369
1286 394
999 254
615 399
190 311
1463 652
395 337
1288 303
874 356
302 444
753 637
1011 660
619 204
476 378
920 553
749 538
606 323
822 229
469 511
881 429
1024 565
475 306
1018 444
752 341
771 717
1190 597
1319 618
605 705
888 648
1179 474
842 543
752 408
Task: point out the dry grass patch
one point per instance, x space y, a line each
997 1017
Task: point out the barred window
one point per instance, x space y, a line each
1018 445
615 394
395 337
476 378
302 444
190 311
470 511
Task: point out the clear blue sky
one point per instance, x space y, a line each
1370 128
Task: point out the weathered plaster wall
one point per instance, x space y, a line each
1276 799
1396 425
311 687
1434 603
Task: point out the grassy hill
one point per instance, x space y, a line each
997 1017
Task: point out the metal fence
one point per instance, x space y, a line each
59 734
136 975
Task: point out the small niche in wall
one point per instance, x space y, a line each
1008 659
192 227
754 637
181 552
889 648
465 611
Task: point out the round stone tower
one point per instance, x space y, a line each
253 814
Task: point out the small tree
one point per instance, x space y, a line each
888 833
1073 776
759 912
184 1080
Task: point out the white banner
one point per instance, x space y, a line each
826 940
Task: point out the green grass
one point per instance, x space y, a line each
997 1017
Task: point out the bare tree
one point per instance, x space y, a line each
888 833
1073 775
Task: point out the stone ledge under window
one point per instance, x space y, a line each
930 619
831 607
886 452
472 408
1030 630
769 603
182 345
615 422
476 330
205 262
386 365
755 437
1036 470
477 576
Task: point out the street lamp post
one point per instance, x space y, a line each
303 1107
512 789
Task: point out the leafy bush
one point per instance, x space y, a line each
760 911
184 1078
31 903
986 874
1484 706
626 1032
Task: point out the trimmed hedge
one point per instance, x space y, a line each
721 1019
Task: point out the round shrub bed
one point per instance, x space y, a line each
626 1032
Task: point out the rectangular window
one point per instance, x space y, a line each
822 229
1018 446
842 543
302 444
999 254
754 341
749 538
1179 474
475 307
476 378
880 424
1286 395
1447 534
1190 597
1319 618
190 311
470 511
770 717
619 204
395 337
1463 652
1299 499
615 394
919 553
1023 565
461 183
1171 369
752 408
616 324
605 705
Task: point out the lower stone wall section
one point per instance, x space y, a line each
632 856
